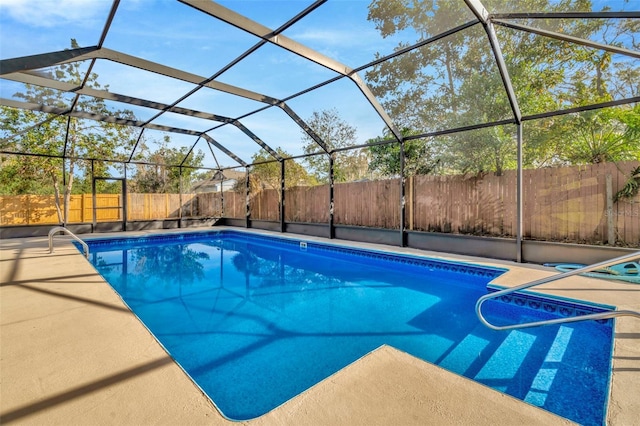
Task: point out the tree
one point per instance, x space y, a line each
603 136
82 139
164 175
455 82
266 174
420 157
335 133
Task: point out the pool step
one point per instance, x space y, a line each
506 360
543 380
462 357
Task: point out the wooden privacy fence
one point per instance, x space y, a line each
40 209
307 204
572 204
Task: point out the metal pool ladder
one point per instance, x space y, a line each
595 316
58 229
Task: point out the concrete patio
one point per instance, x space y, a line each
72 353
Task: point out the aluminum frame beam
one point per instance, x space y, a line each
215 143
62 112
112 96
478 9
143 64
44 60
504 72
567 15
310 132
568 38
292 21
116 120
33 78
483 15
282 105
582 108
102 94
318 140
239 21
75 157
257 140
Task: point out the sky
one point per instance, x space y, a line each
176 35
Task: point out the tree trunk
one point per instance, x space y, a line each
67 192
56 196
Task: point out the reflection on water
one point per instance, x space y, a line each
244 317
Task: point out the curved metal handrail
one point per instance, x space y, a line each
62 229
595 316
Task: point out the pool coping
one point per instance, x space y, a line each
313 406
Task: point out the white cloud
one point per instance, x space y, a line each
331 36
50 13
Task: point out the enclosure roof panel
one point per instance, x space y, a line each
246 77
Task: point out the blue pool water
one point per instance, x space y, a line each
256 320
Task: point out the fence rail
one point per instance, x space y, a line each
571 204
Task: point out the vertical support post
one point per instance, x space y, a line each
125 203
64 188
403 234
519 197
332 231
247 203
282 185
221 195
93 199
611 234
180 196
411 204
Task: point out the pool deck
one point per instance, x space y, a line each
73 354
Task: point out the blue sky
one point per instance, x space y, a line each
176 35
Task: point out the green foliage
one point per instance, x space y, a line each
420 157
47 135
266 175
630 189
22 175
335 133
72 138
454 82
164 175
601 136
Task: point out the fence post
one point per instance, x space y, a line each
282 177
247 201
94 218
411 197
332 231
611 234
221 195
403 234
179 198
519 190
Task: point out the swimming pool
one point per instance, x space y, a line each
255 320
